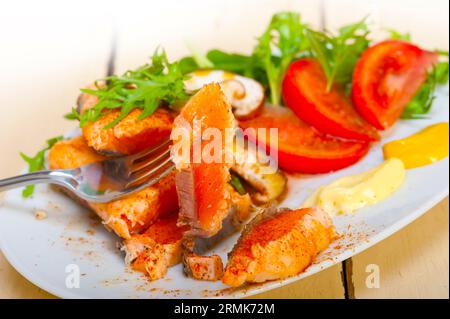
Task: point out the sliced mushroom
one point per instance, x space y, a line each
246 95
269 182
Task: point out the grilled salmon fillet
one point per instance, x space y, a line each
203 189
132 214
129 215
131 135
72 153
278 243
210 268
155 250
207 201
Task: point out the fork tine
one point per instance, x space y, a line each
150 151
162 168
144 164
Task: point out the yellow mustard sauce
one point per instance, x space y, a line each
350 193
206 72
422 148
203 72
228 75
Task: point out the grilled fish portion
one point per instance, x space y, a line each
203 188
201 267
208 268
206 198
158 248
278 243
131 135
72 153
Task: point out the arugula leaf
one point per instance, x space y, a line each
424 98
73 115
188 65
245 65
339 53
237 184
144 88
442 53
37 162
283 40
200 59
395 35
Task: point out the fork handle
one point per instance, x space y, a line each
59 177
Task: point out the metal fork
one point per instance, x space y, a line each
106 180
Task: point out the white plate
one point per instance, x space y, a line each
42 250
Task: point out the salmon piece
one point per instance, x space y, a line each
203 188
130 135
209 268
209 206
278 243
72 153
134 213
157 249
129 215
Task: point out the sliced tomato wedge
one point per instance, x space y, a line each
386 78
304 91
301 148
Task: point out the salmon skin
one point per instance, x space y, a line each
129 215
278 243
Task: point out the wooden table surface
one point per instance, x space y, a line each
44 65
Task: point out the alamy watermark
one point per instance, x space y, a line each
195 144
73 276
373 279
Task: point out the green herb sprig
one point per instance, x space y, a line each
339 53
144 88
37 163
282 41
246 65
396 35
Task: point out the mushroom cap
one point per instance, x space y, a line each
245 95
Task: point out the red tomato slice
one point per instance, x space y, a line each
301 148
304 91
386 78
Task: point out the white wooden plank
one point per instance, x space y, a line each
427 21
412 263
49 50
229 25
326 284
